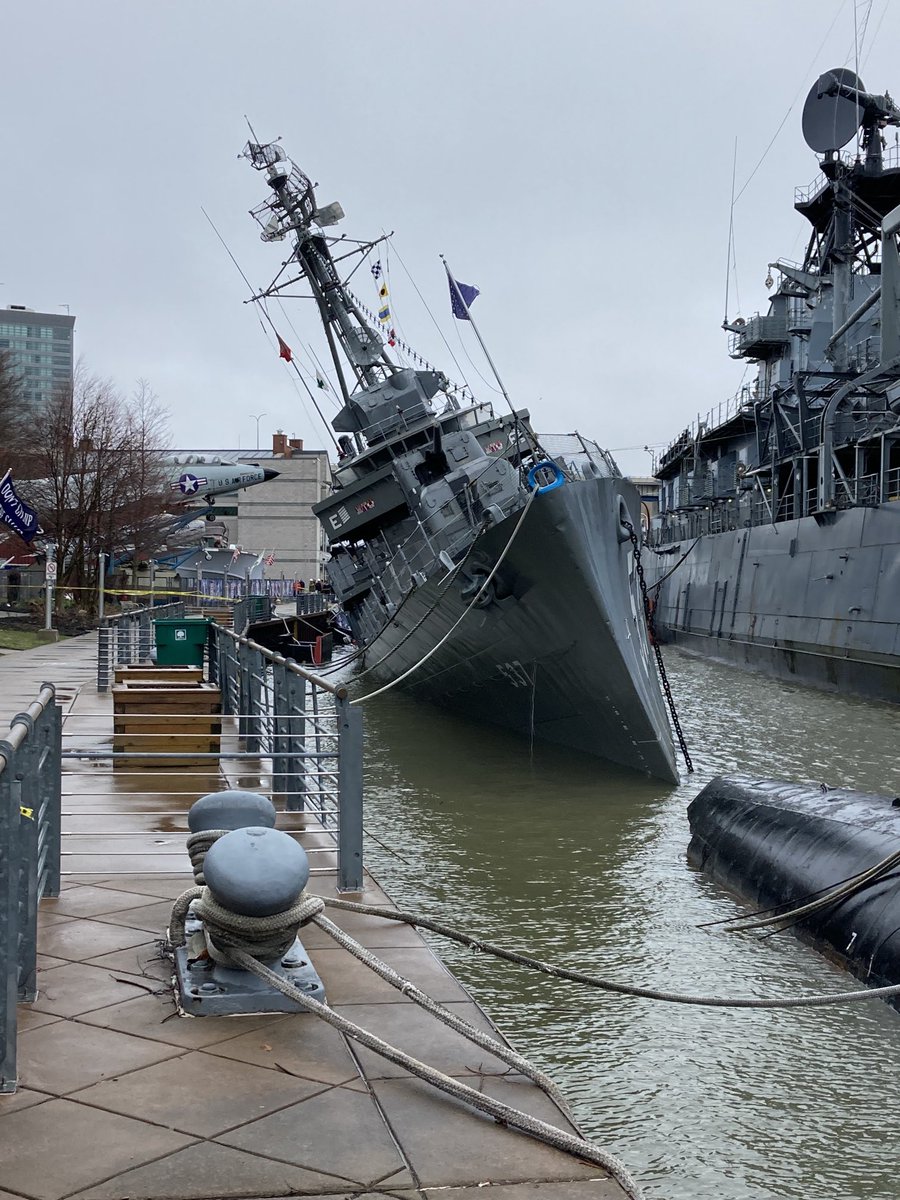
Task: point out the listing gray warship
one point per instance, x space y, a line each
480 567
778 539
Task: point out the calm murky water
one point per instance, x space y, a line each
586 866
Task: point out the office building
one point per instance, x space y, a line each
40 346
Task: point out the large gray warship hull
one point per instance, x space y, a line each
810 600
560 652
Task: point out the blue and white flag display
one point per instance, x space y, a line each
15 512
461 306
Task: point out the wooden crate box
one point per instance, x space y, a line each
155 674
160 716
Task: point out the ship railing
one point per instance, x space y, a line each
407 568
576 451
397 423
890 158
742 402
758 331
308 604
725 513
852 491
785 510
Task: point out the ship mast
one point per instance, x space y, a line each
291 211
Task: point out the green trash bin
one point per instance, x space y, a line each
180 641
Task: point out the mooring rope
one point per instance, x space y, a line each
504 1113
609 985
840 892
424 1001
243 940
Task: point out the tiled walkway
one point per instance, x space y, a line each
121 1098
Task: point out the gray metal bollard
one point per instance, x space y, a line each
251 872
232 809
218 811
256 872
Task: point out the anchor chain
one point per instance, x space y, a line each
654 642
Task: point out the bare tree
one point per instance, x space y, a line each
98 480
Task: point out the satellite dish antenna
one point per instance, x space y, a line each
830 119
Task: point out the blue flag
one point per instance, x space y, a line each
468 294
15 512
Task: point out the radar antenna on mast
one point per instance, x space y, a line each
837 105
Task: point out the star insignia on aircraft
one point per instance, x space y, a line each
189 485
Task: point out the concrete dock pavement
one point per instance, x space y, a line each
120 1098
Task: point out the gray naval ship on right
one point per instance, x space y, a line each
777 544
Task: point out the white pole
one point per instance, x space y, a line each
48 586
101 593
152 581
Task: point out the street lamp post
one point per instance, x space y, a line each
257 419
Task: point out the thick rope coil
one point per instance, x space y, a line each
264 937
197 846
179 915
267 937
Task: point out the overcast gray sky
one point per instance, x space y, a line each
572 159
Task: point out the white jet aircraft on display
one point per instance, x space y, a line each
201 476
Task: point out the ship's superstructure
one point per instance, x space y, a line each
782 510
478 567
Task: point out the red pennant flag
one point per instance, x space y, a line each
284 350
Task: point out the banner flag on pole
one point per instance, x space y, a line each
15 512
284 350
461 297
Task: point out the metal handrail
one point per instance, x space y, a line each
30 841
273 656
126 638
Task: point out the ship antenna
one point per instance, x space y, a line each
730 234
455 291
252 130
